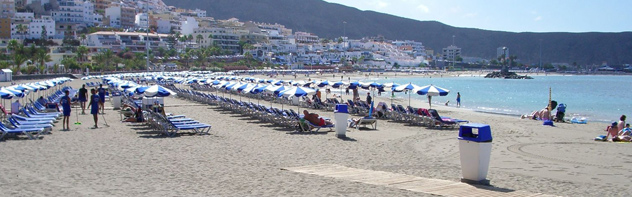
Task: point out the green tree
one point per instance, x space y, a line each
71 63
82 51
199 38
42 57
44 36
22 29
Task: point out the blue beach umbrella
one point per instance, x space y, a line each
339 83
431 90
323 83
6 94
158 91
259 89
276 89
297 92
141 89
408 87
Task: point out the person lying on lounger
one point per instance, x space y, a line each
138 116
315 119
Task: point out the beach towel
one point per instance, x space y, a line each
601 138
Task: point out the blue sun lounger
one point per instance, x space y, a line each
317 127
28 132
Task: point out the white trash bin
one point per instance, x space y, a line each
475 148
341 115
116 101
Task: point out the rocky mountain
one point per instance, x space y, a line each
326 20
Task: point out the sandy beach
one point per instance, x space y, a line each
245 157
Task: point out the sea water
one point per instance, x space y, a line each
598 98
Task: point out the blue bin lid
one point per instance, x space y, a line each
341 108
484 132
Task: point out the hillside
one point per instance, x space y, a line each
325 19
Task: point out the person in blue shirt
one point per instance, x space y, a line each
101 91
94 105
64 101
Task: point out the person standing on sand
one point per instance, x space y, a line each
64 101
368 98
83 97
458 99
101 92
94 105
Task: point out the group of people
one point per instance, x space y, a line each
619 131
95 104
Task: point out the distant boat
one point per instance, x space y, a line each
605 68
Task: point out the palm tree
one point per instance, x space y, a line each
186 56
81 53
199 38
18 60
108 55
22 29
13 45
42 57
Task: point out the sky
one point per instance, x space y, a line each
511 15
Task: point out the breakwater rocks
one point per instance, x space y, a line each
508 75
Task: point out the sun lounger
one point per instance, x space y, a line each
22 118
30 133
442 121
367 121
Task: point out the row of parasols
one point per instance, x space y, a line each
23 90
281 88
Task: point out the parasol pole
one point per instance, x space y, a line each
549 106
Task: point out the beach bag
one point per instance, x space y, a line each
302 125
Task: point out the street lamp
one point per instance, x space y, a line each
505 59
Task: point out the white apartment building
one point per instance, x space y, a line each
226 38
90 17
451 52
188 25
76 12
134 41
20 19
305 38
200 13
113 13
140 20
417 48
164 26
7 8
38 25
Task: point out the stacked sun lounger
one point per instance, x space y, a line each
279 117
33 118
397 113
